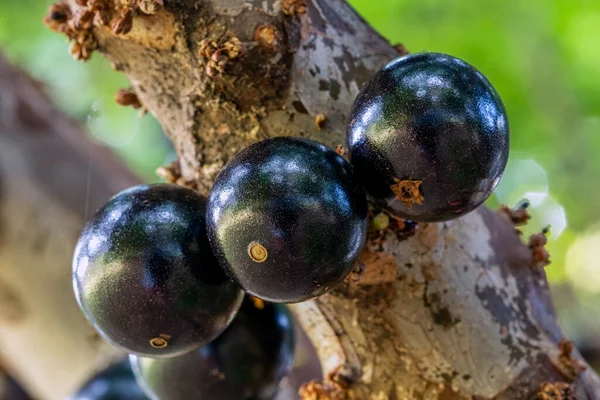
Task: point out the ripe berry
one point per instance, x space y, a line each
114 383
429 137
145 276
286 219
246 362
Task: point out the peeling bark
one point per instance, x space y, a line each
466 314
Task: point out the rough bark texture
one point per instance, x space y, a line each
462 311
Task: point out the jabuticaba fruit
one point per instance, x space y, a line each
287 219
114 383
145 276
246 362
428 137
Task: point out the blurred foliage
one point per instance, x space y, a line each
543 56
84 90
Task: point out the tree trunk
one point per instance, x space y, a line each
457 310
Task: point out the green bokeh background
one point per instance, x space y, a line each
543 56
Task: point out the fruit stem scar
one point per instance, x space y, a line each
257 252
408 191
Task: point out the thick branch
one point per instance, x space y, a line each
465 314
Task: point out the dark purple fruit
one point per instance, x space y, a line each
12 390
114 383
145 276
246 362
429 137
286 219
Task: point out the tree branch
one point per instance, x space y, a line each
46 165
463 313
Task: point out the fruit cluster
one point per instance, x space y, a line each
161 272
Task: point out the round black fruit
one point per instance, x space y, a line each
287 219
114 383
145 276
428 137
246 362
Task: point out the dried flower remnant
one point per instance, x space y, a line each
537 243
83 20
315 390
83 46
102 10
218 56
320 121
293 7
58 17
170 173
206 48
519 215
149 7
408 191
268 37
127 97
77 27
570 365
96 5
124 24
234 48
216 64
340 150
555 391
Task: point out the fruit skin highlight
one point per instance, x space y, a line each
145 276
428 137
246 362
287 219
114 383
